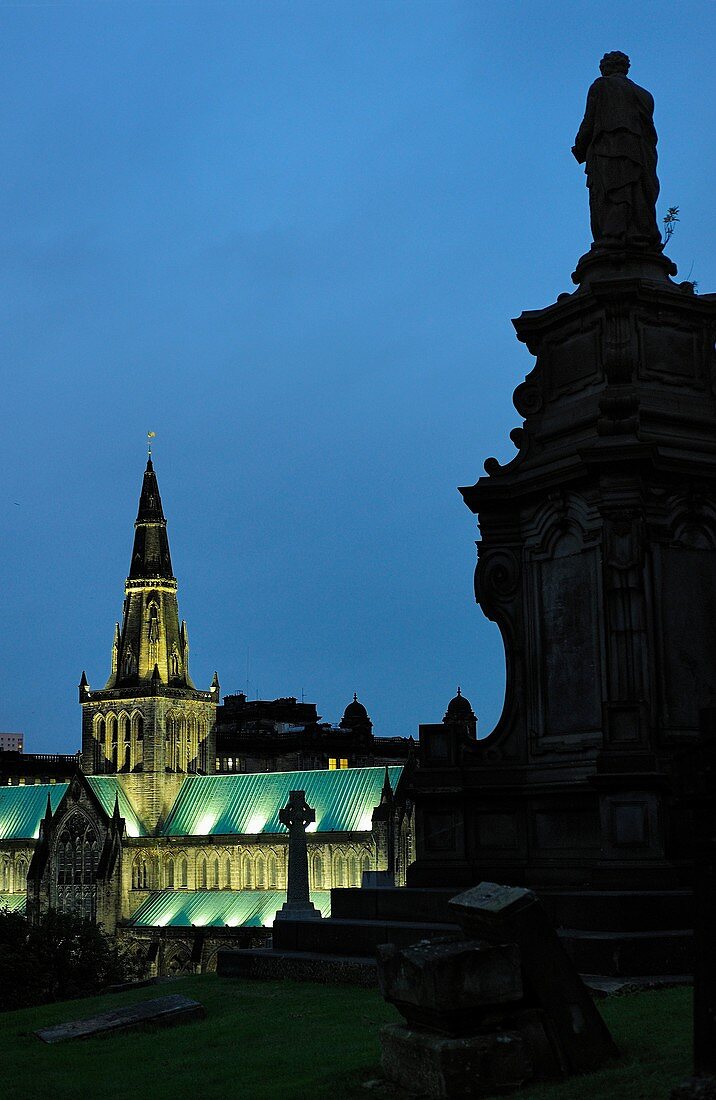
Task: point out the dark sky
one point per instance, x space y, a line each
289 239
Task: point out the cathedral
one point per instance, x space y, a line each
148 837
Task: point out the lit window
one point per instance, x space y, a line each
344 762
332 763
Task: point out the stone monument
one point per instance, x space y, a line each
492 1012
597 561
296 815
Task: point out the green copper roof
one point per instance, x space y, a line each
23 808
107 788
216 805
14 903
217 908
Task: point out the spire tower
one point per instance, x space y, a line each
149 717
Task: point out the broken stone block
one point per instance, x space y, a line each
443 1066
448 985
512 914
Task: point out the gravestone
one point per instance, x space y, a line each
158 1012
488 1013
296 815
511 914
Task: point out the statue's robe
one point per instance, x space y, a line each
617 144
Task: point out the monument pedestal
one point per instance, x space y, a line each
597 561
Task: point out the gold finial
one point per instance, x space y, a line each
150 437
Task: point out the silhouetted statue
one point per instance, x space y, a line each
617 144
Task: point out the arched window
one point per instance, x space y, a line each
317 873
227 873
145 875
366 863
5 876
169 737
127 767
112 740
272 872
353 871
247 873
191 744
76 855
20 876
138 726
339 871
260 873
169 874
124 728
215 874
137 874
100 730
184 873
202 873
201 748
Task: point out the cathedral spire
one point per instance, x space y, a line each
151 641
150 554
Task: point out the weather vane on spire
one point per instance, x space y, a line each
150 437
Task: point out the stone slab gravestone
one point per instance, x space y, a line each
511 914
158 1012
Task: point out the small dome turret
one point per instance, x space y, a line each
355 711
459 709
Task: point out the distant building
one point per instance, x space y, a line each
284 735
12 742
21 769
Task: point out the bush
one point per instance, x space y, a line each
63 956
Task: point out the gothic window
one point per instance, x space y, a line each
137 874
127 766
76 858
20 876
353 871
138 726
260 873
112 738
202 874
366 863
184 874
124 728
339 871
169 739
169 874
5 876
129 664
272 872
215 875
100 730
227 874
247 877
153 625
202 761
317 873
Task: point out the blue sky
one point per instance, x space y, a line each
289 239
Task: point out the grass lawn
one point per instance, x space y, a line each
283 1039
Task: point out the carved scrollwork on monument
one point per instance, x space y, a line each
693 520
527 398
497 578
